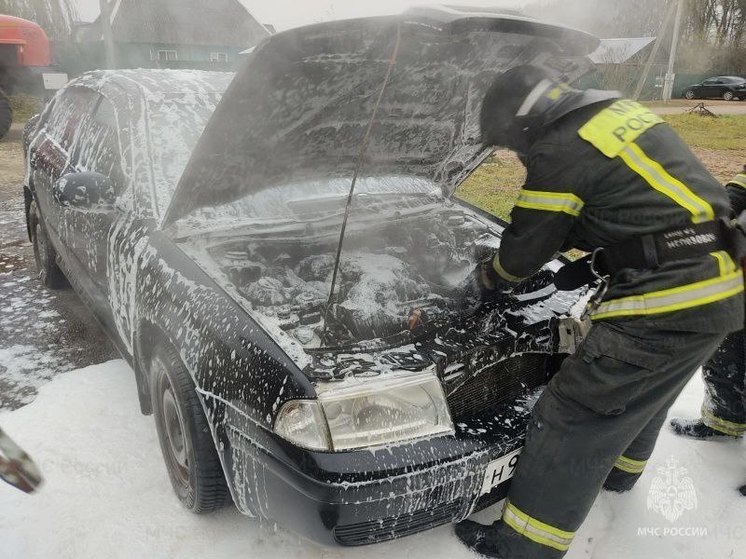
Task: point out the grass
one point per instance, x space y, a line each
495 185
24 107
727 133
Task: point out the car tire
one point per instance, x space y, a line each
728 96
185 437
45 256
6 115
689 94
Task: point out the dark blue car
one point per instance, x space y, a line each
354 388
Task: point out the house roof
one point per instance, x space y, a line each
185 22
618 51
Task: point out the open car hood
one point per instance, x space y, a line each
303 107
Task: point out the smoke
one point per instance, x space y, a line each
604 18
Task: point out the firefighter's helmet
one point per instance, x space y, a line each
523 100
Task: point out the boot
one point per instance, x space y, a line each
620 482
743 490
485 540
696 429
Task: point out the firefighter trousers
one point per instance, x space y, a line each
724 408
603 410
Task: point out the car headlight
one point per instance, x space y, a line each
372 414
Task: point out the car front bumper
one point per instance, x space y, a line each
370 496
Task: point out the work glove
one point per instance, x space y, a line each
575 275
486 277
489 280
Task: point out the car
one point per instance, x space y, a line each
720 87
291 278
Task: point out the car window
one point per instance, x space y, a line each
98 147
69 113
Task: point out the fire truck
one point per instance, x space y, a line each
25 65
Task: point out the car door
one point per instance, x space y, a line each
711 88
51 158
98 151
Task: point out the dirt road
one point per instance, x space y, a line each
42 333
679 106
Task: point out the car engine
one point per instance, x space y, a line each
395 276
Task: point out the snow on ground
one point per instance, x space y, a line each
107 494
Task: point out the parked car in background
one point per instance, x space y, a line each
720 87
395 403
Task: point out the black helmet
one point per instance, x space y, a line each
523 100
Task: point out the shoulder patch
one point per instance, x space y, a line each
617 126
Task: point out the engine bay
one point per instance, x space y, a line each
397 277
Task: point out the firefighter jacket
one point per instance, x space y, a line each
605 174
737 192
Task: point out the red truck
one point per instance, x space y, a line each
25 64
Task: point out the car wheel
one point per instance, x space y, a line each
689 94
184 433
45 256
728 96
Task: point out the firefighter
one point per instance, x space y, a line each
609 177
724 409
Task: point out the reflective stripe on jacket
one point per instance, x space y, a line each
611 172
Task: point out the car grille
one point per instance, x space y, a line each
377 531
501 384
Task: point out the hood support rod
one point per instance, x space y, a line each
358 167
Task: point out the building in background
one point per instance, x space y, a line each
173 34
620 63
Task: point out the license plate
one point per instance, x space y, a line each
500 471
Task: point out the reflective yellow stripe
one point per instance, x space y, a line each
740 180
630 466
535 530
727 427
502 273
676 299
662 181
564 202
725 262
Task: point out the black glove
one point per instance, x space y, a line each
575 275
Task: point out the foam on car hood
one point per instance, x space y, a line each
302 105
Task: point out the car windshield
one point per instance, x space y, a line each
176 120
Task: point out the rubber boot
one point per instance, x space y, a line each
621 482
487 540
696 429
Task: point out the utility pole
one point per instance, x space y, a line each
670 76
654 52
108 34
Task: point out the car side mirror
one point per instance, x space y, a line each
84 190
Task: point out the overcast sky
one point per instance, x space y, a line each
291 13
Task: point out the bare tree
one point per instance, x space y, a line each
716 22
605 18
